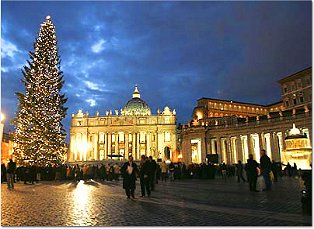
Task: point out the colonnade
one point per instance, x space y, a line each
232 148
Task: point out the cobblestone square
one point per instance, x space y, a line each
183 202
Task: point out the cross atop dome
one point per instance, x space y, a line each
136 93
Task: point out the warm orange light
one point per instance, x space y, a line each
2 117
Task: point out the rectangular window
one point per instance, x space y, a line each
294 101
301 99
287 103
299 84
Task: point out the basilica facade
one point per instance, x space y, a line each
133 130
232 130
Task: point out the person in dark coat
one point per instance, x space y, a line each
251 171
240 172
3 173
145 176
152 173
10 173
265 164
129 172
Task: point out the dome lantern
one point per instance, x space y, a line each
136 106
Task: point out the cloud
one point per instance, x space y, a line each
92 102
8 49
99 46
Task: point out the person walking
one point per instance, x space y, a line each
240 172
265 165
252 173
10 174
129 172
164 170
145 176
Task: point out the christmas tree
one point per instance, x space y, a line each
40 136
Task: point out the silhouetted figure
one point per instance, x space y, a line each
3 173
274 169
10 173
240 172
251 171
145 176
265 165
129 172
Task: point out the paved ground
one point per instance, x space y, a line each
187 202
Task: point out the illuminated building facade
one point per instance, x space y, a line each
134 130
233 130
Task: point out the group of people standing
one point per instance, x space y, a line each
146 172
253 170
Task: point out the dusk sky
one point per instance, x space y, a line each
176 52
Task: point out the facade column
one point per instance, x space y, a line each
96 157
116 144
133 145
138 146
109 145
126 145
105 145
148 138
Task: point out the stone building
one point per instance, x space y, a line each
232 130
134 130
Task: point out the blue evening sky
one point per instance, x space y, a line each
176 52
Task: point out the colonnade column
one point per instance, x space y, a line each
239 148
249 144
274 153
218 149
260 139
229 157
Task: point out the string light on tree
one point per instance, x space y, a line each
40 136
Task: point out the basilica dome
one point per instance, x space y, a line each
136 106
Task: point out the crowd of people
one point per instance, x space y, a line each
150 172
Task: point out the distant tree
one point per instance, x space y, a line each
40 136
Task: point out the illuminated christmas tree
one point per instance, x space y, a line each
40 136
